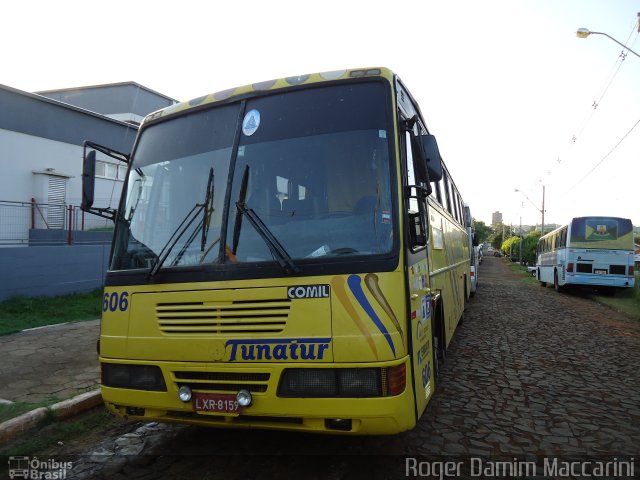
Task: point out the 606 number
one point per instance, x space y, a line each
114 301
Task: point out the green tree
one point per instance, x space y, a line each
529 243
529 246
497 238
484 231
510 246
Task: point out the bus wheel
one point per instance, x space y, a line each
542 284
467 296
437 342
557 287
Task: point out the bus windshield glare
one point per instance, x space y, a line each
319 179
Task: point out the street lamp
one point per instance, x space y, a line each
536 207
585 32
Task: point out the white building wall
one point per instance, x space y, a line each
21 155
27 161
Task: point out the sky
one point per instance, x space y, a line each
506 86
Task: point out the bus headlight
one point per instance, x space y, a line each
244 398
330 382
184 393
137 377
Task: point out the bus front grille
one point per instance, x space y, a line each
262 316
223 381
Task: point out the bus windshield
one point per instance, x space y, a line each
318 178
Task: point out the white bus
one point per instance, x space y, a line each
596 251
474 254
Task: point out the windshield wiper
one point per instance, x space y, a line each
207 208
186 222
276 248
173 239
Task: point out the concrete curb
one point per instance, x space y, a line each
61 410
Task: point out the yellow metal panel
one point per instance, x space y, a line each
369 318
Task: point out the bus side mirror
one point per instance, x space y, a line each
475 240
420 161
432 157
88 179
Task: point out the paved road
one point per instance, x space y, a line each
530 373
58 362
537 372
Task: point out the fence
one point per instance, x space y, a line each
47 271
33 223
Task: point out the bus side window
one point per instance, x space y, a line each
447 191
411 177
455 204
436 190
416 211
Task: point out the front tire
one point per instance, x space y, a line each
557 287
542 284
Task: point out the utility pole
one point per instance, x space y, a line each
520 237
510 242
542 227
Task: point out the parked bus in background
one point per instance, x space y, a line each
595 251
287 255
474 251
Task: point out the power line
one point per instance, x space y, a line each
610 78
603 158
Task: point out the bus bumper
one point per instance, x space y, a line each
600 280
380 415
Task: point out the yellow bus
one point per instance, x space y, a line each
287 255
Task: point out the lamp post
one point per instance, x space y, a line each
585 32
536 207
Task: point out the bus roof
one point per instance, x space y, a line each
277 84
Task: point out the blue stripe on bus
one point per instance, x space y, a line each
355 284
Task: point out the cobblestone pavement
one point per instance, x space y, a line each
535 372
530 373
50 362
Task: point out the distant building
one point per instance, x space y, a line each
41 142
126 101
496 219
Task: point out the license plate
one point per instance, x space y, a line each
215 402
599 271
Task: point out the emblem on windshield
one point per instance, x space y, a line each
251 122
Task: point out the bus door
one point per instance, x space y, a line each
419 293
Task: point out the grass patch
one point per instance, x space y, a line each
623 300
12 410
626 301
50 432
521 270
20 313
